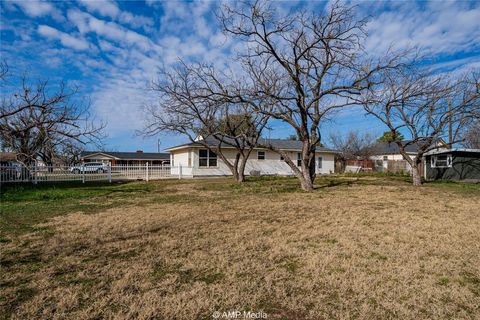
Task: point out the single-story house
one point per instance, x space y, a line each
385 152
124 158
452 164
196 160
390 151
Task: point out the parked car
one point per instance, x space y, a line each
90 167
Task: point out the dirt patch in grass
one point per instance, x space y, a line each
363 249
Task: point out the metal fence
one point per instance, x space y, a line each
37 174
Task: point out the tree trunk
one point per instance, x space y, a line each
414 163
308 167
241 169
306 182
240 177
238 166
417 178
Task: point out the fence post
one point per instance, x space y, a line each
83 173
180 171
110 173
146 171
34 174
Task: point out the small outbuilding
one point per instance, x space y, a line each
452 164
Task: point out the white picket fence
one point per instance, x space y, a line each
36 174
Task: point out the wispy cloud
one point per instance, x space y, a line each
109 8
86 23
436 27
38 8
66 39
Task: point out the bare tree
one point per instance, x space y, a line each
36 122
199 103
471 137
70 153
428 107
306 64
354 145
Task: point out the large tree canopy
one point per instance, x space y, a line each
306 64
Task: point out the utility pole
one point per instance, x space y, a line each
158 145
450 129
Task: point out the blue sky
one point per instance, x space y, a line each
112 50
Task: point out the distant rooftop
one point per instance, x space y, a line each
393 148
139 155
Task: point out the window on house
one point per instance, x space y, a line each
212 159
385 158
299 159
319 162
261 155
207 158
441 161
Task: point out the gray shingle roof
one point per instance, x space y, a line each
132 155
281 144
392 148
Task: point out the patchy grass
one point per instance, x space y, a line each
358 247
24 206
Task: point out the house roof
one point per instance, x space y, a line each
392 148
439 151
130 155
281 144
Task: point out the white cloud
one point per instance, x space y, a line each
66 39
110 30
109 8
104 7
440 28
38 8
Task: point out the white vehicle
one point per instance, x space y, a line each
90 167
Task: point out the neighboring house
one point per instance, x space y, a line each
124 158
389 151
196 160
385 152
452 164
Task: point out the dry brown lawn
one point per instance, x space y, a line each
368 249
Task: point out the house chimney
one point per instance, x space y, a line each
139 151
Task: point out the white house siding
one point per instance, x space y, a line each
272 165
395 157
